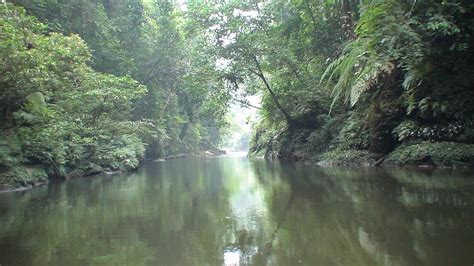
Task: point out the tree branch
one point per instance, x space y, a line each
245 103
260 74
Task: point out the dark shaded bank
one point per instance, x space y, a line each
401 93
380 131
432 125
318 146
345 140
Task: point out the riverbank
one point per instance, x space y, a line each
23 176
422 154
205 153
349 140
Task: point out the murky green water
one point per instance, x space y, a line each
232 209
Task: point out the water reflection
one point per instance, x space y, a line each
237 211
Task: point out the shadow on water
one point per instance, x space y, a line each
237 211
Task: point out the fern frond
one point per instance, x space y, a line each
356 72
368 78
347 69
411 80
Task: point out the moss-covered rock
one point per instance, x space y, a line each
444 154
345 157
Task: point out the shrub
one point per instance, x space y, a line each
433 153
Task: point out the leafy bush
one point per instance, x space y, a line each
410 130
22 175
341 156
64 115
353 134
433 153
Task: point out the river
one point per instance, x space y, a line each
234 210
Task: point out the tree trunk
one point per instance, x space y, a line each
260 74
310 11
347 19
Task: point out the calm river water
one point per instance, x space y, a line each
232 210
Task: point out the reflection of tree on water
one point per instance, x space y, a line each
195 212
361 212
245 250
242 251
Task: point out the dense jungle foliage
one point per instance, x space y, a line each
359 81
94 86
